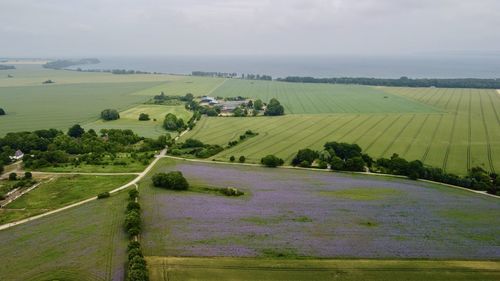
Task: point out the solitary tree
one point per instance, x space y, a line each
242 159
143 117
2 112
274 108
110 114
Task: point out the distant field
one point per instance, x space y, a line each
86 243
465 134
301 98
295 214
302 270
129 119
60 192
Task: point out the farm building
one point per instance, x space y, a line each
209 100
18 155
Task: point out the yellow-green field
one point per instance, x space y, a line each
463 133
173 268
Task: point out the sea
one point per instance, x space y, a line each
413 66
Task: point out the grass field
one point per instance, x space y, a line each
61 191
79 244
172 268
129 119
307 214
464 134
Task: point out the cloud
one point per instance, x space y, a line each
58 27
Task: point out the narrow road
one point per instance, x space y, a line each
125 186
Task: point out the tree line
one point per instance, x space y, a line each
60 64
6 67
350 157
402 82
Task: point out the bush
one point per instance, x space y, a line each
172 180
12 176
232 158
242 159
143 117
133 206
103 195
271 161
192 143
110 114
28 175
2 112
231 191
133 193
133 219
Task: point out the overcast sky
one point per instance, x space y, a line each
337 27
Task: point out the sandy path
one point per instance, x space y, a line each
125 186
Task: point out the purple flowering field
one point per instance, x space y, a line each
294 213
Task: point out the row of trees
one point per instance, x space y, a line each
137 267
402 82
350 157
60 64
6 67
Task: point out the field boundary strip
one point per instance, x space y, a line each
331 171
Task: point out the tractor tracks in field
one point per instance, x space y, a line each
488 145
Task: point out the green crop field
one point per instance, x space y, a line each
463 131
306 269
301 98
79 97
152 128
59 192
83 243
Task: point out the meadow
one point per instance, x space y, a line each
305 214
83 243
177 268
60 192
462 133
152 128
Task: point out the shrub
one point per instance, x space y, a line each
231 191
192 143
103 195
110 114
232 158
12 176
271 161
173 180
2 112
242 159
143 117
132 219
133 245
28 175
133 206
133 193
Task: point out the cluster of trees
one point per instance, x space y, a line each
137 269
59 64
53 147
2 111
6 67
271 161
49 82
172 180
172 123
241 159
256 77
350 157
274 108
196 148
214 74
246 135
402 82
110 114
